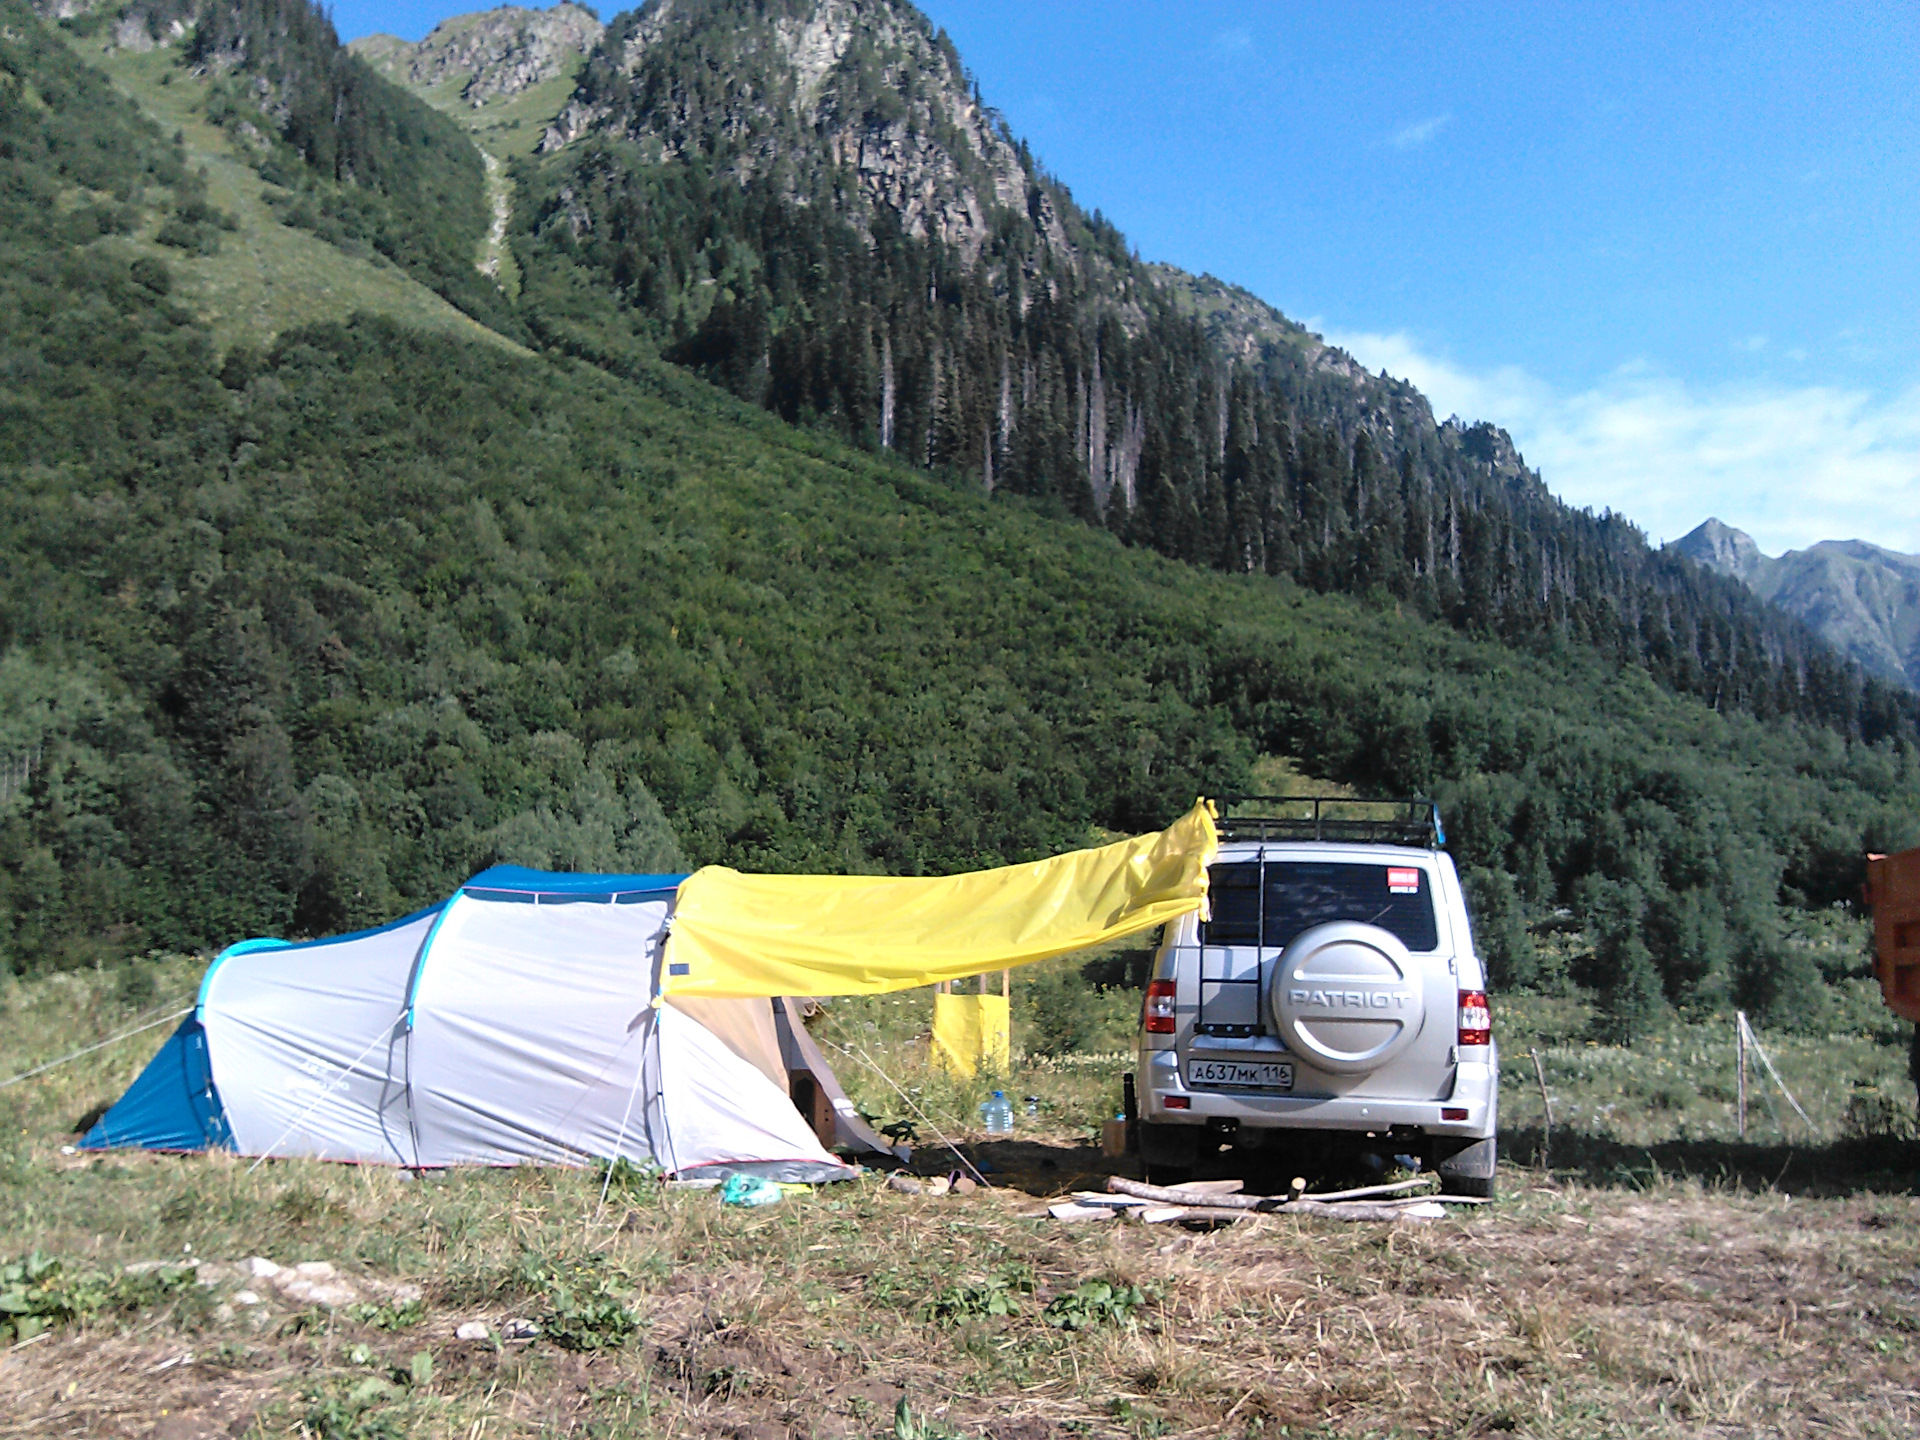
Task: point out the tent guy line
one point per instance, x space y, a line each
300 1119
958 1154
626 1118
101 1045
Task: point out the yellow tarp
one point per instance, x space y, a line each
972 1033
739 935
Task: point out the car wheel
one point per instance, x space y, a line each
1470 1171
1168 1152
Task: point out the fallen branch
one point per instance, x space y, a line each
1173 1195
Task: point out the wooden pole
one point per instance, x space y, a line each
1546 1104
1740 1062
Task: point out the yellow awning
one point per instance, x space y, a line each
737 935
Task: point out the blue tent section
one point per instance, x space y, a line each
516 882
172 1106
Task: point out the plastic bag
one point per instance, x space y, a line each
750 1190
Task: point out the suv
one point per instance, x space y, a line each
1332 1003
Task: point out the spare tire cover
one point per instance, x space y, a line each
1347 997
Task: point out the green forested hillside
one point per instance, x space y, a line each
810 203
296 638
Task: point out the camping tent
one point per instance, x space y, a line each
513 1022
561 1018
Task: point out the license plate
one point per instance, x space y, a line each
1264 1075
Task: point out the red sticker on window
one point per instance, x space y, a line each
1403 881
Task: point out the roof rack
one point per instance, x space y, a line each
1413 821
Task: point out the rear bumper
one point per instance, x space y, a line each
1476 1089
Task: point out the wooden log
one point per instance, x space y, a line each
1193 1192
1342 1210
1178 1195
1173 1195
1212 1187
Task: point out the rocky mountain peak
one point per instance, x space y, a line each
1863 600
493 53
1718 546
1491 446
764 88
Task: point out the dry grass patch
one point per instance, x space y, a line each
1609 1299
1566 1311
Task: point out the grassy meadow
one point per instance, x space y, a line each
1655 1277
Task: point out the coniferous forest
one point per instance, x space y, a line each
795 538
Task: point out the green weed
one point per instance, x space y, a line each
586 1308
1093 1303
38 1292
998 1294
389 1316
910 1424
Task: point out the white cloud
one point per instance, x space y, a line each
1418 133
1791 465
1236 41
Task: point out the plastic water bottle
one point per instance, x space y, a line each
997 1114
1033 1105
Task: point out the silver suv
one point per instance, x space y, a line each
1332 1005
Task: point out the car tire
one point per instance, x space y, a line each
1470 1171
1168 1152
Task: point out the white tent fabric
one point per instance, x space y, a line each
512 1024
307 1046
714 1106
527 1028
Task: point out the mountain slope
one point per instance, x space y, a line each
265 276
293 640
346 155
1864 600
808 203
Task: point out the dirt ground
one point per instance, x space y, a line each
1571 1308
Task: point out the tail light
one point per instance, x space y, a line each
1157 1016
1476 1018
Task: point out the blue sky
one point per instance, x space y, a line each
1671 248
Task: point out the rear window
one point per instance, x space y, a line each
1298 894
